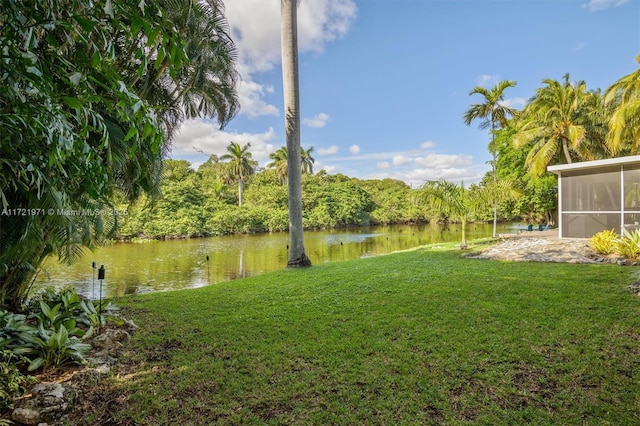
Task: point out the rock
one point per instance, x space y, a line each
47 403
110 339
26 416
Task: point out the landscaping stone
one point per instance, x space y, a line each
47 404
544 249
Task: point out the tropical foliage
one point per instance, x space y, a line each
456 202
624 122
493 115
279 163
560 124
240 165
92 93
626 245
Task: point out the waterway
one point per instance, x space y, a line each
190 263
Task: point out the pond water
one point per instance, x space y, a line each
176 264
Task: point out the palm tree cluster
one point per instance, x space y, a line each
562 123
565 122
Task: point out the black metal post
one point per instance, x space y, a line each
101 277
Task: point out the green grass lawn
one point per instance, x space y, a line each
420 337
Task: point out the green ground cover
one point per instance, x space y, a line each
420 337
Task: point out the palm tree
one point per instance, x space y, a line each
205 84
624 122
240 165
279 163
460 203
455 201
307 160
291 89
493 115
555 124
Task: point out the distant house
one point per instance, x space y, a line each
594 196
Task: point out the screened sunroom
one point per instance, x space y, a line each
594 196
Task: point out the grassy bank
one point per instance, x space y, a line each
421 337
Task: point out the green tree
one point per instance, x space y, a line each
463 204
240 165
394 201
76 128
624 122
204 85
554 125
455 201
493 115
213 178
280 162
291 89
307 160
539 195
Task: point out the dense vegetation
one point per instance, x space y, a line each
205 202
196 203
54 330
92 93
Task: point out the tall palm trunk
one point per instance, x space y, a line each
291 89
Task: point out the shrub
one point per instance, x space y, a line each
12 381
604 242
629 245
51 333
48 348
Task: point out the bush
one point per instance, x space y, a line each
51 333
629 245
604 242
12 381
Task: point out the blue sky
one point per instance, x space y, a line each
385 83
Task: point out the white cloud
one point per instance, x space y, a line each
200 135
354 149
317 121
595 5
444 161
400 160
514 102
415 166
333 149
487 80
251 97
255 29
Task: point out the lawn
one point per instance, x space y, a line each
420 337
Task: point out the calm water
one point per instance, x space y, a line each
175 264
